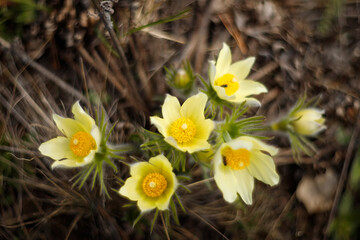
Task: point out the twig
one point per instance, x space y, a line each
73 224
29 99
199 182
268 68
202 219
228 21
165 228
344 173
17 115
283 212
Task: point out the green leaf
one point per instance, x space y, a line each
137 219
174 212
108 161
180 203
175 17
154 220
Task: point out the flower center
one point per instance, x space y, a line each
183 130
236 159
82 143
228 81
154 184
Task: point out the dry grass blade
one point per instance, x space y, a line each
27 97
73 224
283 212
164 226
27 60
228 22
207 223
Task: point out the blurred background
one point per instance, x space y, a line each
53 53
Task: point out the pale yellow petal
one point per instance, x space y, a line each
146 204
248 88
262 167
224 60
251 102
241 69
95 133
171 140
212 72
220 91
69 163
259 145
161 163
310 113
81 116
163 202
204 129
194 107
161 124
90 157
308 128
65 164
244 185
141 169
238 143
171 109
172 183
191 147
320 120
223 177
225 181
57 148
68 126
197 145
132 189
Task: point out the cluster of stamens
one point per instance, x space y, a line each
183 130
236 159
154 184
81 143
228 81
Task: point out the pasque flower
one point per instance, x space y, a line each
185 127
238 162
308 121
151 184
80 142
229 80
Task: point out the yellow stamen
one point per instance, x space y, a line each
236 159
82 143
228 81
183 130
154 184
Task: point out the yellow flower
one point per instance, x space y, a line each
151 184
229 80
309 121
237 162
80 143
185 127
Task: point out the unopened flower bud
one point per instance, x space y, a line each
308 121
182 79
